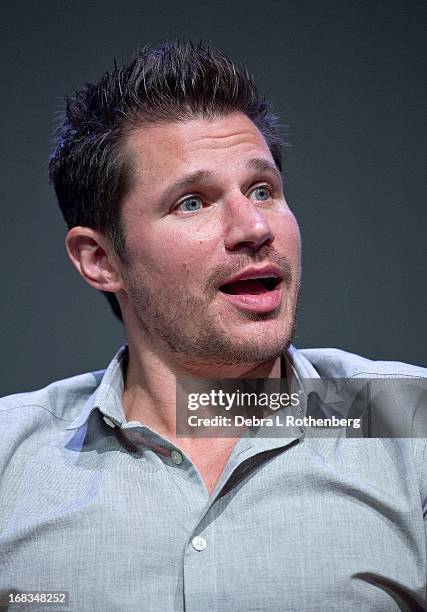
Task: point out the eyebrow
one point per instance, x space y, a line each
188 180
262 165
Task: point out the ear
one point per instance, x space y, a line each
94 258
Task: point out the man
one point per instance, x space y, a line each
168 174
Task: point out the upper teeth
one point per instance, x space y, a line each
259 276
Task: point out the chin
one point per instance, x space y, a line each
246 350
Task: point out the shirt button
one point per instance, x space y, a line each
109 422
302 429
176 457
198 543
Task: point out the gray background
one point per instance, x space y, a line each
345 76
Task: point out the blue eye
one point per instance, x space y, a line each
262 193
190 204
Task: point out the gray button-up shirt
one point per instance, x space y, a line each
119 517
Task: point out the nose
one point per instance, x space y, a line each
245 225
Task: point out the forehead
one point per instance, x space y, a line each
168 148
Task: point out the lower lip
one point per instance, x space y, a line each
263 302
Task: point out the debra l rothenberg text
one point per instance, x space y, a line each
288 421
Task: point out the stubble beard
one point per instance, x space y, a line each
173 318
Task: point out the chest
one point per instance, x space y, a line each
293 532
210 459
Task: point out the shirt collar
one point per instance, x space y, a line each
108 397
315 387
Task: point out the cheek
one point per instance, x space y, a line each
189 250
181 261
289 237
296 243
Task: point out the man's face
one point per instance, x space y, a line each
213 250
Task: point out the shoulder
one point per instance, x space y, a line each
336 363
61 400
409 399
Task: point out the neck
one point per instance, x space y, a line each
150 384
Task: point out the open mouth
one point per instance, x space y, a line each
255 290
251 286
